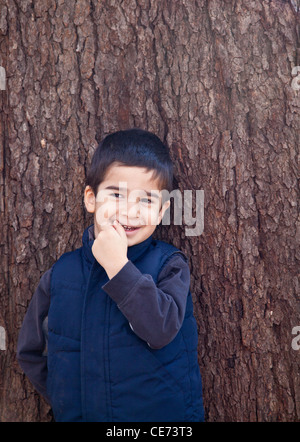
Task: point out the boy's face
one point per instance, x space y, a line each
131 196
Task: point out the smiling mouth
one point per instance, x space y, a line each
129 229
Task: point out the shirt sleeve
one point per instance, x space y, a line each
31 347
155 311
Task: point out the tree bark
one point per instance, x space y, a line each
213 79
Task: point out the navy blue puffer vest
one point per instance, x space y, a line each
99 370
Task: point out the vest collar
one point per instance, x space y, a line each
133 252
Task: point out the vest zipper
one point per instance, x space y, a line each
106 360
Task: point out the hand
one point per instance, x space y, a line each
110 248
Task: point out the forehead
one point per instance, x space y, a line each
137 178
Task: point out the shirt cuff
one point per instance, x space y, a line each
123 282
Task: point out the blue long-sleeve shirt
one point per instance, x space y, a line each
155 312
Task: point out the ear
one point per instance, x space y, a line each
162 211
89 199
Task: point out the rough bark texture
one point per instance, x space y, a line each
213 79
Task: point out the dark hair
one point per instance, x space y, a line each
132 147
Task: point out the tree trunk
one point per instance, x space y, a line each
213 79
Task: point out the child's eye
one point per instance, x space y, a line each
116 195
146 200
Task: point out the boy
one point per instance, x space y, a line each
121 336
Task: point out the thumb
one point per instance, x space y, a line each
119 228
105 226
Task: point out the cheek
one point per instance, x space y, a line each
104 211
150 216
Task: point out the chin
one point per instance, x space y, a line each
133 242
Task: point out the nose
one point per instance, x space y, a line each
131 210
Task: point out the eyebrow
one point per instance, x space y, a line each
124 189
